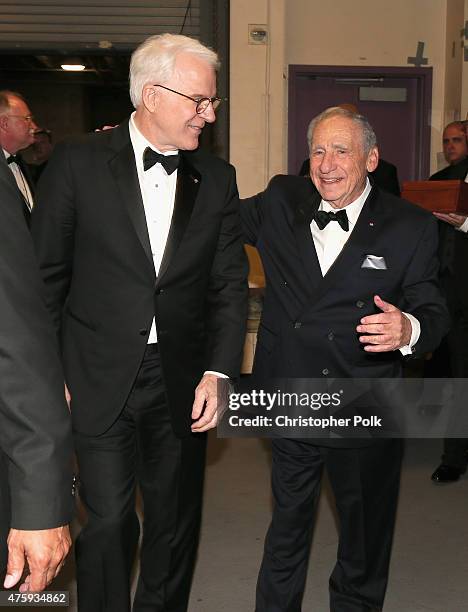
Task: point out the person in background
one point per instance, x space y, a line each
42 148
453 254
17 129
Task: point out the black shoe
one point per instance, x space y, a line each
446 473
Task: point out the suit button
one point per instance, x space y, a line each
360 304
297 325
331 336
325 371
143 332
159 291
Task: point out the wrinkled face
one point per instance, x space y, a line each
174 123
338 161
454 143
18 128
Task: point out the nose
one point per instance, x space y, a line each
208 114
328 162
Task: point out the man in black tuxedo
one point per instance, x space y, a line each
138 238
17 129
35 434
348 293
453 254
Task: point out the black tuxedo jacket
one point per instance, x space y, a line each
308 326
453 245
91 238
28 177
35 432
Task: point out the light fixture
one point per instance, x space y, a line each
73 67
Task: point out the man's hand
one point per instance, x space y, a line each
44 550
209 402
386 331
68 397
451 218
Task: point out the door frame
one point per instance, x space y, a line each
423 111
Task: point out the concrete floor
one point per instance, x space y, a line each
430 556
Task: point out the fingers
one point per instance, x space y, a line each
384 306
45 551
205 405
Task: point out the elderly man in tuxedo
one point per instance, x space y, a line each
36 500
17 128
352 287
139 242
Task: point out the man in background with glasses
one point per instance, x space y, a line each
139 243
17 129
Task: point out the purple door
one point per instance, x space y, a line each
395 100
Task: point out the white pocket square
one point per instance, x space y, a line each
374 262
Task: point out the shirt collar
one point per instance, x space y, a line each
139 142
353 209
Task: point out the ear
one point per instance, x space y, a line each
149 96
3 122
372 159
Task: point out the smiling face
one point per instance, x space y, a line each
168 120
338 161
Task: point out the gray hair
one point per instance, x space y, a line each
153 61
5 99
369 138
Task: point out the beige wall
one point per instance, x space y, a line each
464 105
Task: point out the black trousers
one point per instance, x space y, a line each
365 483
140 448
455 345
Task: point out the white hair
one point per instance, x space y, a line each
153 61
369 138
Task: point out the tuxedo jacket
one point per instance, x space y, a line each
384 176
91 238
29 180
308 325
453 247
35 426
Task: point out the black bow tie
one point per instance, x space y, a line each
323 218
13 159
168 162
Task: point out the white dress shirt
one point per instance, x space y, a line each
20 181
158 190
330 241
158 194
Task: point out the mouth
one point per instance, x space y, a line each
330 181
197 128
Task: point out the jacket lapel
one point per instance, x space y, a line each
305 243
358 244
188 184
123 168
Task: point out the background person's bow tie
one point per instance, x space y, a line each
13 159
322 218
168 162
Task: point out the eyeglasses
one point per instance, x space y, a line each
28 118
201 103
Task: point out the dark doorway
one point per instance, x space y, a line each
397 102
